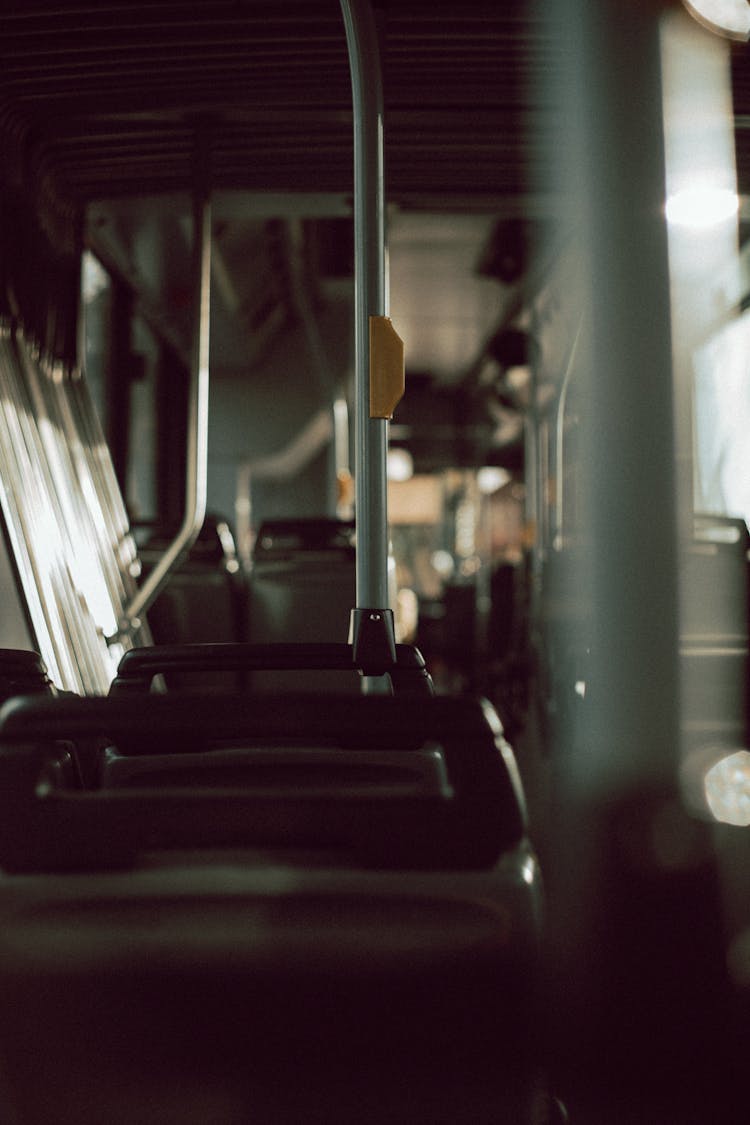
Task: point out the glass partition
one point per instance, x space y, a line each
66 529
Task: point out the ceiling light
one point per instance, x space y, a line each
400 465
730 18
727 789
492 477
701 207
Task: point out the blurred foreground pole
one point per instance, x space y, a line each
635 956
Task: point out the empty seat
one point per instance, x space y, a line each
302 588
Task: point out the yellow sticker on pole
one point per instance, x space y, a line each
387 379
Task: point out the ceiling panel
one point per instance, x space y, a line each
103 97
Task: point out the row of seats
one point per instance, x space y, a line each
301 588
268 907
290 911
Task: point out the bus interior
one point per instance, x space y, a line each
258 864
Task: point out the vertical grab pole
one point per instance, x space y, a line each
372 628
196 468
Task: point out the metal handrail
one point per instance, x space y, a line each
370 298
557 539
196 472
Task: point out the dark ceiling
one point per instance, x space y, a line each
101 102
99 99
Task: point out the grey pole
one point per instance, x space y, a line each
370 300
196 472
629 1016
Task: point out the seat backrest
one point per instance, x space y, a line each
299 595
